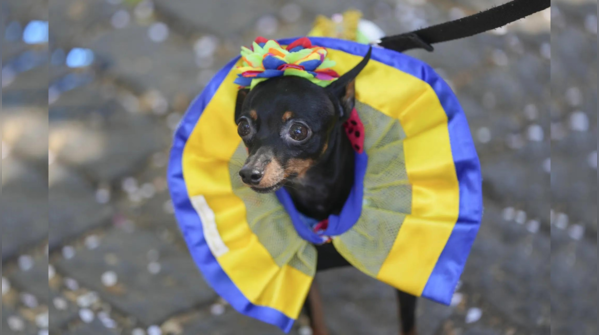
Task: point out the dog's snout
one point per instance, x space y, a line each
251 175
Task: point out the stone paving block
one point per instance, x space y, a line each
29 87
230 323
25 130
284 29
573 49
26 9
93 328
147 202
93 142
33 280
573 181
75 20
573 280
24 207
25 327
11 49
510 267
74 207
222 17
85 100
329 8
502 87
176 287
574 117
519 180
169 67
363 305
59 318
473 315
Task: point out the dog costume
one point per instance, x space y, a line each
411 217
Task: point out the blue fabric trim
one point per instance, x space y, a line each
352 209
338 224
191 225
450 265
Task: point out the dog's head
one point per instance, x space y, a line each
285 123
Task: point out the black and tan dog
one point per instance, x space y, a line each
293 130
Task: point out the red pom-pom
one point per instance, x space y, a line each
261 39
304 42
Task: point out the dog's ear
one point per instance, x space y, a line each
241 95
344 88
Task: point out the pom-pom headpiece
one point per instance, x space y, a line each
267 59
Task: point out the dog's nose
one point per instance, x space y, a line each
251 175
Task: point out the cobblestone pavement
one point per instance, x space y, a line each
121 75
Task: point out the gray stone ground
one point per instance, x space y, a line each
117 264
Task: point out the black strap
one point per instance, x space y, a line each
464 27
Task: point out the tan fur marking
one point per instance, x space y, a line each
298 167
324 149
287 116
350 92
253 115
273 174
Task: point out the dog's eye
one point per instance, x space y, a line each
299 132
244 128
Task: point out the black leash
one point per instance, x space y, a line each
468 26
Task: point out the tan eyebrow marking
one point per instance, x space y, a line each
298 167
287 116
253 115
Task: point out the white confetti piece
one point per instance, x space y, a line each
521 217
60 303
154 330
154 268
562 220
456 299
16 323
109 278
158 32
473 315
25 262
217 309
576 232
29 300
68 252
86 315
5 286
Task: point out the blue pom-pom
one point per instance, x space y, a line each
272 63
311 65
270 74
243 81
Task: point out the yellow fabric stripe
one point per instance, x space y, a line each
435 202
205 167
